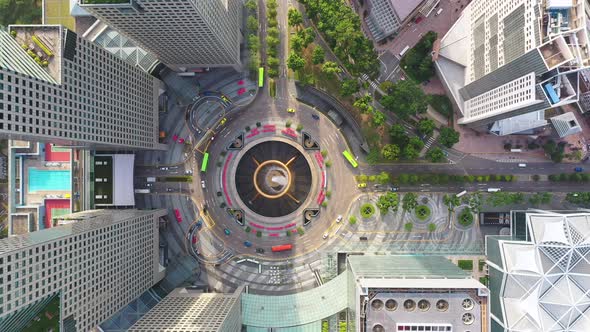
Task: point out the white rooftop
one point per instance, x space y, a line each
548 279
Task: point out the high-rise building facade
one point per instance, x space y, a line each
58 87
181 33
387 16
96 265
505 62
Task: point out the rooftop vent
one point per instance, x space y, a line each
391 305
377 304
409 305
442 305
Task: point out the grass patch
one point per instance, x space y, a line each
272 88
417 62
422 212
481 264
352 220
431 227
367 210
466 217
465 264
44 323
484 280
441 104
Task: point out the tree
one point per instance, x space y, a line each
273 32
251 5
390 152
272 42
272 62
295 61
388 201
387 86
406 99
383 177
330 68
252 23
435 155
416 143
294 17
411 153
318 55
378 118
364 103
410 201
448 137
451 201
426 127
398 135
307 35
253 42
349 87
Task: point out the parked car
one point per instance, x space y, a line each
169 190
578 169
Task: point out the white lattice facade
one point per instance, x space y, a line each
90 98
97 265
181 33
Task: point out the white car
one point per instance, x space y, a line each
203 184
325 236
338 219
164 168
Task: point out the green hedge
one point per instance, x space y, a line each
367 210
465 264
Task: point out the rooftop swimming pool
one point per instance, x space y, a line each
49 180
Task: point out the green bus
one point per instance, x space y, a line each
260 77
350 158
205 162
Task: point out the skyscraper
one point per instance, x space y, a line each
181 33
96 264
387 16
58 87
505 62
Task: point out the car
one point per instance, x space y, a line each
164 168
181 140
393 189
247 244
223 121
325 236
169 190
578 169
260 250
315 116
338 219
199 224
188 172
150 184
290 110
203 184
226 231
174 138
362 185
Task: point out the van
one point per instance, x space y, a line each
438 12
522 165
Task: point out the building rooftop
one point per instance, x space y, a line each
404 267
566 124
544 281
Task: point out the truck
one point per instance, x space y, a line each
151 179
142 191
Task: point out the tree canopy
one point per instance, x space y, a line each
406 99
294 17
448 137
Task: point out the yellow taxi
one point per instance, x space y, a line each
222 121
362 185
290 110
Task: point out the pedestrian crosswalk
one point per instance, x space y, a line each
510 160
373 84
429 142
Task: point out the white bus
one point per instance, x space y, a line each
401 54
461 193
493 190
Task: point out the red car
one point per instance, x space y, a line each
175 138
181 140
194 239
177 215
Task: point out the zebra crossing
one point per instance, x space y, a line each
374 85
429 142
511 160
